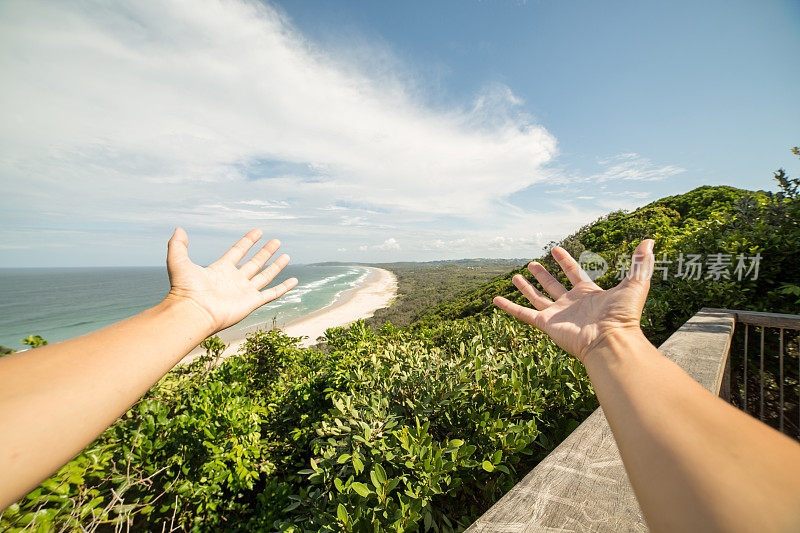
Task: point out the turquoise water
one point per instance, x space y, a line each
62 303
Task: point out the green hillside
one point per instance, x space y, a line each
422 285
706 221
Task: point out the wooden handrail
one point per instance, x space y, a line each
582 484
767 320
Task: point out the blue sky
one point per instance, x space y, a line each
376 131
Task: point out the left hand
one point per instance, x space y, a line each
224 292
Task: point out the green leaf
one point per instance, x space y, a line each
361 489
381 473
456 443
291 507
392 484
341 514
428 520
357 464
488 466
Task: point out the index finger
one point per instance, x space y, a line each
526 314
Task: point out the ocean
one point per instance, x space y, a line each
62 303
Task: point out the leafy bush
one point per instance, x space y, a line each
432 428
34 341
394 431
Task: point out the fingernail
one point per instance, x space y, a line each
650 244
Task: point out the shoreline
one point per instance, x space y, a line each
375 292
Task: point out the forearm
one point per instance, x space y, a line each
55 400
695 462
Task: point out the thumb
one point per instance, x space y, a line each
642 263
177 248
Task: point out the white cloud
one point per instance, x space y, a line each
160 104
632 166
353 221
525 242
226 211
266 203
388 244
220 115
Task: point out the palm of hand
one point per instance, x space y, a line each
586 313
577 319
224 292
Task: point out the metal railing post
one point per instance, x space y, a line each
746 331
761 376
780 366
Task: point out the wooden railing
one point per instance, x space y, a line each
761 372
582 484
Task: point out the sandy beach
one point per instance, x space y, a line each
376 292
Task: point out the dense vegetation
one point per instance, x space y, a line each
399 429
423 285
379 431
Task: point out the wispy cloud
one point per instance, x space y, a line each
632 166
266 203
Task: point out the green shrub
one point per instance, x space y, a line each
431 428
394 431
34 341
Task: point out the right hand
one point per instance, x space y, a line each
223 292
578 319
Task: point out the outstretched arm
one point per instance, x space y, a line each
695 462
55 400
